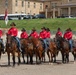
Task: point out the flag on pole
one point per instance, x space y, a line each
6 17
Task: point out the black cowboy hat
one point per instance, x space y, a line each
33 29
12 24
23 29
47 29
59 29
69 29
43 28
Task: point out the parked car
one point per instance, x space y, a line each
29 17
40 16
1 18
71 16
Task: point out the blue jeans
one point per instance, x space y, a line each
45 44
17 39
48 41
70 43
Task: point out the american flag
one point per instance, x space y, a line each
6 17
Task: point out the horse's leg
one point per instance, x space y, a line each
51 57
23 57
13 54
31 59
48 56
8 59
27 58
40 55
67 57
44 56
19 61
62 57
54 58
36 59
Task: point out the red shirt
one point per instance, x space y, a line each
0 33
34 34
48 34
65 35
24 35
68 35
43 34
59 33
13 31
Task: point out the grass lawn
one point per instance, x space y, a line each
53 24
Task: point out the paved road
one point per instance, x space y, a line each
42 69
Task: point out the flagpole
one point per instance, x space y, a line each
6 4
6 13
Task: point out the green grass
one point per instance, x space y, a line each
53 24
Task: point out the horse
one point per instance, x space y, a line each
27 48
74 49
63 46
12 48
38 48
52 51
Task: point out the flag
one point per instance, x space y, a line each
6 17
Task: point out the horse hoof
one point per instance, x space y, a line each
74 62
51 63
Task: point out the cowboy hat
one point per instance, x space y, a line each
23 29
33 29
12 24
43 28
69 29
59 29
47 29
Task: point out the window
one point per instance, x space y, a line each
16 3
54 5
28 4
69 0
34 5
22 3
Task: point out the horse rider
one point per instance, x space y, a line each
23 34
1 41
34 33
58 34
13 31
43 36
68 36
48 36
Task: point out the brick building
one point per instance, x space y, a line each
51 8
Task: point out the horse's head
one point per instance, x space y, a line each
8 38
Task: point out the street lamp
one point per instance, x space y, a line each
54 5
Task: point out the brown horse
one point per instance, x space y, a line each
63 46
38 48
52 51
74 49
27 48
11 48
